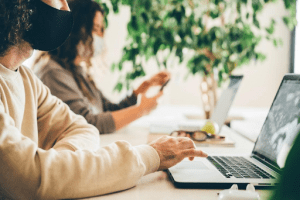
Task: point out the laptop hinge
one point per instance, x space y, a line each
266 163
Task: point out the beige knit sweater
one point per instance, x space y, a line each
48 152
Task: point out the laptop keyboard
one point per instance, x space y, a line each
238 167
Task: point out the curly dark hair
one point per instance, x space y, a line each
84 12
15 16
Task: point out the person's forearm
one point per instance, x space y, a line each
127 115
86 173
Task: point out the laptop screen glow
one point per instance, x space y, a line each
281 125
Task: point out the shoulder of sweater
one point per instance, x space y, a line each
50 67
26 70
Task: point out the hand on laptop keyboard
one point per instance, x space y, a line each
172 150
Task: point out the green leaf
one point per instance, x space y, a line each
220 77
271 28
118 87
133 23
145 17
275 42
179 54
216 2
168 37
226 69
256 22
177 15
147 4
243 61
115 5
120 66
148 53
238 7
214 13
198 64
247 16
238 20
290 22
113 67
126 2
164 2
105 7
256 5
288 3
260 57
156 45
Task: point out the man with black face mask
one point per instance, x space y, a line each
46 151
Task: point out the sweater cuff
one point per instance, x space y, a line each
65 146
150 158
131 97
107 124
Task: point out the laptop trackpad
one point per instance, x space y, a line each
194 171
191 165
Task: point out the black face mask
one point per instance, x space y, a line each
50 27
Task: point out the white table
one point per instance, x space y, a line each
157 185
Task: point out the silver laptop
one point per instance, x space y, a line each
263 167
219 114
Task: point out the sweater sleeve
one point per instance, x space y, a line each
29 172
126 102
62 85
59 127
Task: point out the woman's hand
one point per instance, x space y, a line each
148 104
158 79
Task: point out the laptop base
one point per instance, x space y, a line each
185 185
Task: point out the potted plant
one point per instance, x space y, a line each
220 36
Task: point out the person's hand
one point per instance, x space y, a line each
148 104
172 150
158 79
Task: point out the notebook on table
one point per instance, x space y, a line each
226 142
263 166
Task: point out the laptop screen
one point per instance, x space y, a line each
281 125
224 103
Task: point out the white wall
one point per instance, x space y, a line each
261 80
297 43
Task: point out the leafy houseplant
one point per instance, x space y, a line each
220 35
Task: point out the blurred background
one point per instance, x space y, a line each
265 29
261 79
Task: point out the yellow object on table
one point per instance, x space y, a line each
210 127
